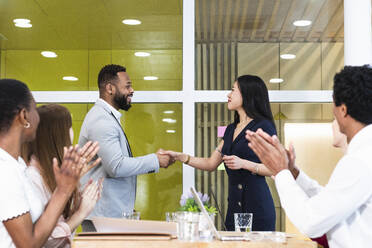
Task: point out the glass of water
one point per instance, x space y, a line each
170 216
243 222
131 215
188 226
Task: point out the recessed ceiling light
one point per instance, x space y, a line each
22 23
302 23
142 54
49 54
70 78
169 120
150 78
168 112
170 131
21 20
131 22
288 56
276 80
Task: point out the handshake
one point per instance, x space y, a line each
166 158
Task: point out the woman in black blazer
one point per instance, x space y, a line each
248 191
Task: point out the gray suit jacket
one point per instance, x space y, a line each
119 169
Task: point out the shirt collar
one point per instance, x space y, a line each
5 155
363 137
116 113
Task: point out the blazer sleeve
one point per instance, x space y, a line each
114 162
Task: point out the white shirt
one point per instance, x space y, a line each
343 208
61 234
16 193
115 112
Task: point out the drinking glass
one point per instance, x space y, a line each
188 226
170 217
243 222
131 215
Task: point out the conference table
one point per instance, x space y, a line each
116 242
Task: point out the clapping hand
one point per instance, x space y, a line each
292 161
87 153
68 174
89 197
271 153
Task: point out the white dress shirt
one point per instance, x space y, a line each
115 112
17 195
343 208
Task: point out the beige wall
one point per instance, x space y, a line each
312 69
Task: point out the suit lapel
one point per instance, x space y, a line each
126 139
108 110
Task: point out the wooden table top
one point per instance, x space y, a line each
116 242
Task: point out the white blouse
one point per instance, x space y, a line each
17 195
61 234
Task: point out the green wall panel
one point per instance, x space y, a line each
97 59
160 192
42 73
45 74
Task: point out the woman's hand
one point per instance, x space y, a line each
175 155
67 176
87 153
89 197
233 162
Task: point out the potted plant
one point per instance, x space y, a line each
188 203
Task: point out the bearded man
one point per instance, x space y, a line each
118 166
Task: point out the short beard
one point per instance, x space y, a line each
122 102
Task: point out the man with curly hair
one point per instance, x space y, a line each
343 208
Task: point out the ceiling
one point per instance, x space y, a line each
96 24
91 24
269 20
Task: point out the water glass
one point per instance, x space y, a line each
131 215
188 226
243 222
205 230
170 217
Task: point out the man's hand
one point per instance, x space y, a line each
164 160
292 159
269 150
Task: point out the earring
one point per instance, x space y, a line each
28 125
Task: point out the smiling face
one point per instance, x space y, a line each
234 98
123 91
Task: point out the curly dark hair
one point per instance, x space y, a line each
14 96
353 87
109 74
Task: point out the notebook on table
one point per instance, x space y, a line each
124 229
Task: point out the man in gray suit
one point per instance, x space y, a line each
118 166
